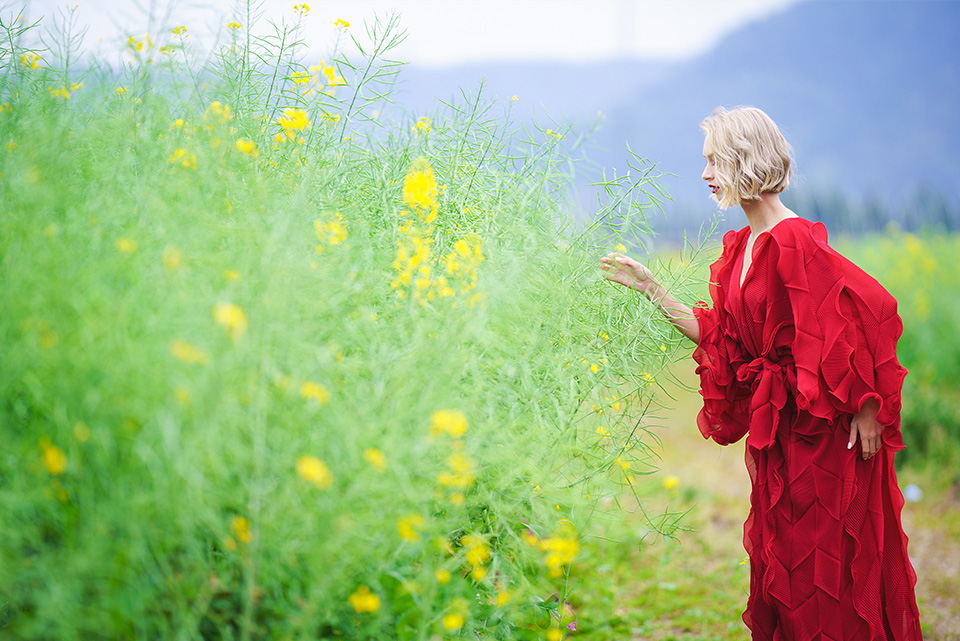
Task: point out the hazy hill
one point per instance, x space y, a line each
867 92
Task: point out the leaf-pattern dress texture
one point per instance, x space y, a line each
786 360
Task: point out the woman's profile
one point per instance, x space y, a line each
798 354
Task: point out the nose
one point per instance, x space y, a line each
707 172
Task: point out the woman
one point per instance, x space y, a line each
798 353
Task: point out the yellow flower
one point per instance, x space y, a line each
420 187
30 60
452 422
443 576
234 25
53 458
179 30
312 469
670 482
59 93
171 258
302 9
185 158
376 458
121 91
478 552
315 391
457 498
126 245
241 529
503 598
620 248
342 24
248 147
293 121
461 472
362 600
554 634
407 527
453 621
232 317
300 77
422 126
330 73
188 353
561 550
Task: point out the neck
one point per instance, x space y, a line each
763 214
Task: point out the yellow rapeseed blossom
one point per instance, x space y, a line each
248 147
30 60
314 391
561 551
670 482
300 77
59 93
294 119
53 458
171 258
232 317
453 621
407 526
312 469
503 598
241 529
330 75
234 25
443 576
422 127
420 187
183 157
188 353
376 458
126 245
452 422
460 474
302 9
478 551
363 600
332 232
342 24
179 31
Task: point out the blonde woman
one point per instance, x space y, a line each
798 354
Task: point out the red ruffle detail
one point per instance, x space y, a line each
788 359
846 331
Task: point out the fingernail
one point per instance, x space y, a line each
849 445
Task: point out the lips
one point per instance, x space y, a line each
713 188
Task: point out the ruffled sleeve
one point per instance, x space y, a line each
846 331
725 413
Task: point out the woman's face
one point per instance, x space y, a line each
710 171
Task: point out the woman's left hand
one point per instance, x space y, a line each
865 426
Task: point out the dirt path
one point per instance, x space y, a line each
719 476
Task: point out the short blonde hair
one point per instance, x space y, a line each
751 156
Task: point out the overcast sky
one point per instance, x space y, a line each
444 32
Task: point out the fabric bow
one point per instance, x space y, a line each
770 383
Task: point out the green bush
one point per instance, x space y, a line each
277 366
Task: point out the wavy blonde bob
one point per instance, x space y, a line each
751 156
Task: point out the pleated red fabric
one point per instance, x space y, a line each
786 360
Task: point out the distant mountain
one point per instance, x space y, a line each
868 93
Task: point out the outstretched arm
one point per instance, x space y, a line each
629 273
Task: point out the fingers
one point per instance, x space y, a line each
869 445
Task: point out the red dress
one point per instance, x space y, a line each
788 359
